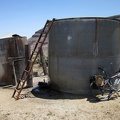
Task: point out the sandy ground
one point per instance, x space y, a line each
55 106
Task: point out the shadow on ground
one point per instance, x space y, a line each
50 94
53 94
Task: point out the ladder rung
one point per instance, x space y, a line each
34 51
26 70
40 42
30 61
21 80
44 33
16 90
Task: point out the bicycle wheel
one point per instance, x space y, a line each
116 86
99 93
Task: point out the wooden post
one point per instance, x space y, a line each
15 77
42 59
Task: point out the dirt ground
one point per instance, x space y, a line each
55 105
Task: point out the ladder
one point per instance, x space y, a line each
26 72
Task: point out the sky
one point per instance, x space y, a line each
25 17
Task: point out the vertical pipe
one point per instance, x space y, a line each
95 49
27 56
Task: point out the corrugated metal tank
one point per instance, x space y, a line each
77 47
12 49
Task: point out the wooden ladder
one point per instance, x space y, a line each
26 72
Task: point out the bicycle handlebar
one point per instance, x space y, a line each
117 75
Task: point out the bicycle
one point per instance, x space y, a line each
104 87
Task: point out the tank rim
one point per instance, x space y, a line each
80 18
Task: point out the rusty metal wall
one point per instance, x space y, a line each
12 48
77 47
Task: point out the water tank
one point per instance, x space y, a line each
77 47
14 53
115 17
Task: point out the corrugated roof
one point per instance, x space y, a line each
10 36
6 36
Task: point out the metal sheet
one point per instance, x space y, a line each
77 47
11 48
